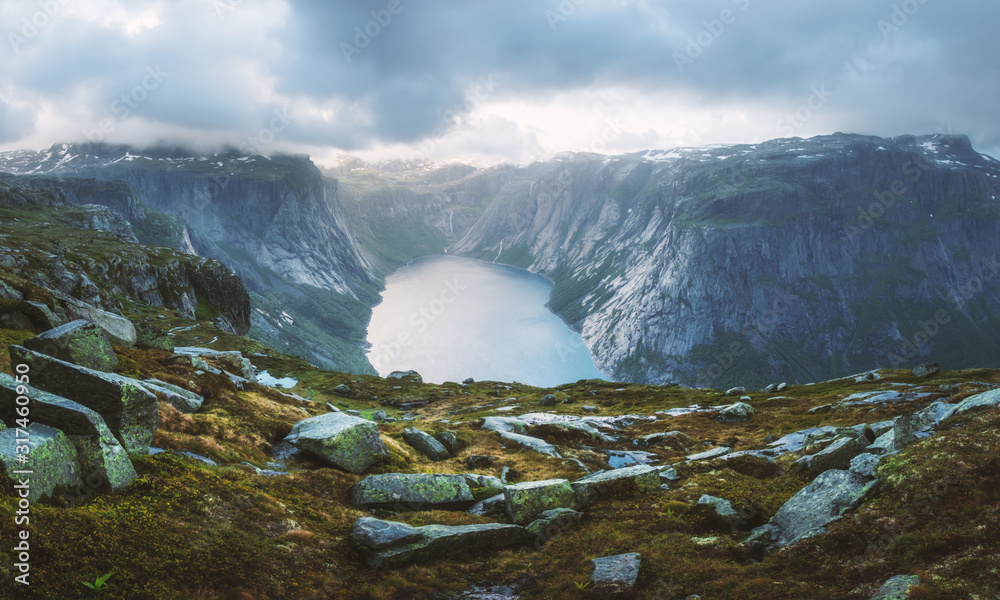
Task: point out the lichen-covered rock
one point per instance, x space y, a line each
40 315
102 460
425 443
119 330
551 522
128 408
151 336
442 541
807 513
408 376
537 444
345 441
637 478
449 439
52 462
183 400
494 506
525 501
79 342
897 588
710 454
377 534
723 510
672 439
413 491
990 399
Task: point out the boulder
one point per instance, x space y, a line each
551 522
494 506
724 510
120 331
468 380
735 413
414 491
376 534
532 443
102 460
40 315
79 342
233 359
178 397
128 408
150 336
548 400
807 513
52 462
449 439
781 387
990 399
925 370
442 541
409 376
897 588
637 478
425 444
477 461
837 455
864 465
9 293
736 391
342 389
348 442
525 501
770 388
614 576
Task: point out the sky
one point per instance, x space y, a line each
492 80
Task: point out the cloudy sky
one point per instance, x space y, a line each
493 80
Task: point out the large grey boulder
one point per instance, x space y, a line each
532 443
415 491
723 510
79 342
990 399
442 541
525 501
51 461
551 522
637 478
40 315
151 336
376 534
345 441
129 409
425 444
710 454
614 576
736 391
119 330
183 400
837 455
807 513
672 439
897 588
409 376
102 460
735 413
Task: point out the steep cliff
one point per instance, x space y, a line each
797 259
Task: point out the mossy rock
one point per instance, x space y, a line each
79 342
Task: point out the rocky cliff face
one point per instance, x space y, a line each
792 259
797 259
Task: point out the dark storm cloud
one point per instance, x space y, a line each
354 74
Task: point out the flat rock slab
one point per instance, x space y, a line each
709 454
79 342
413 491
102 460
990 399
52 461
347 442
837 455
233 358
525 501
614 576
532 443
129 409
443 541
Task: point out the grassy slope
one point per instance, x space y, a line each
185 530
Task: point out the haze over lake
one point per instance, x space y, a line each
450 318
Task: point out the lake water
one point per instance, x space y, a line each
449 318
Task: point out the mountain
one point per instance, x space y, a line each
793 259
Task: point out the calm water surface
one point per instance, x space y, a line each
449 318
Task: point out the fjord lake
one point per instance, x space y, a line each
449 318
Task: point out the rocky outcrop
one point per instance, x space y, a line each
128 408
425 444
347 442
